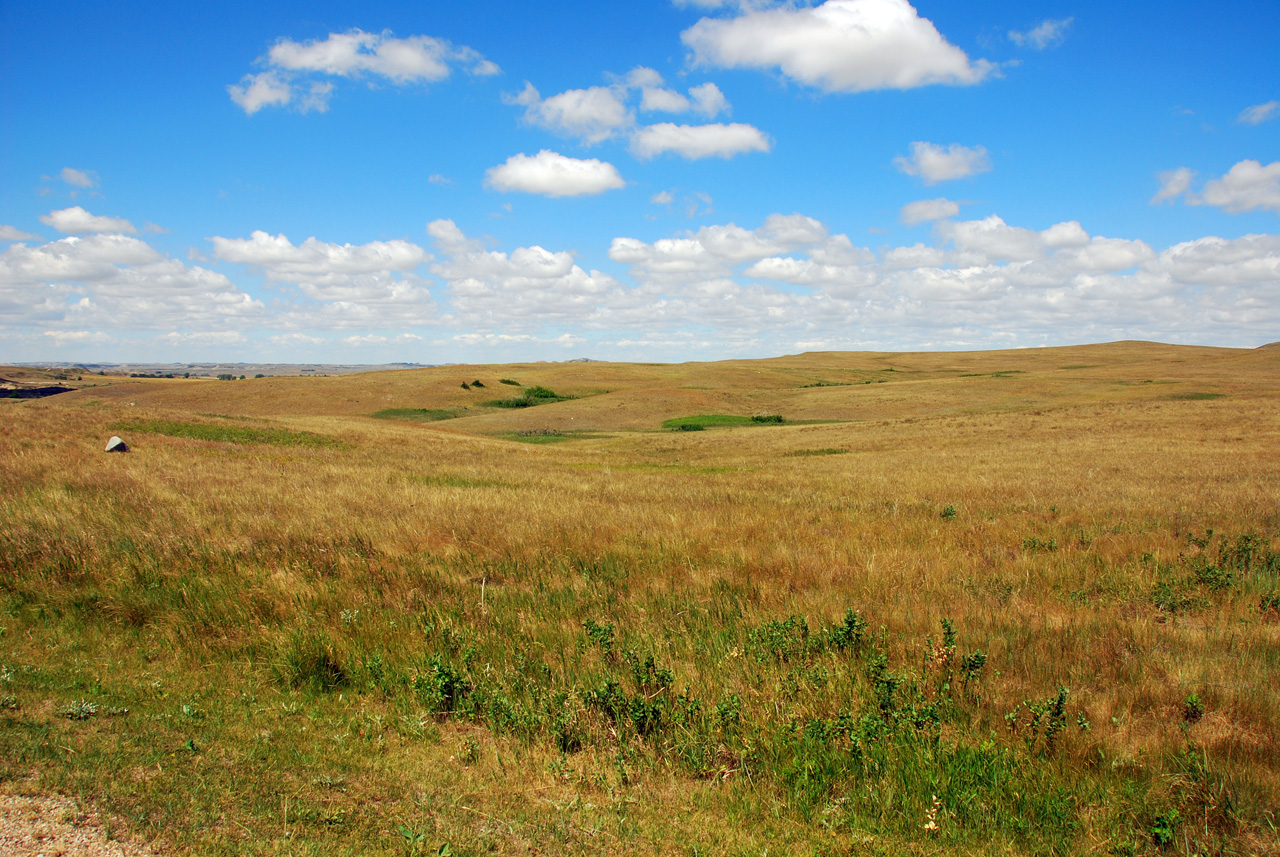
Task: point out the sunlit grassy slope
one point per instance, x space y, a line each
1005 602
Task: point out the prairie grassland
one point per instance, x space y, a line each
1010 602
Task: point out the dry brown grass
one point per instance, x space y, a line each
1077 477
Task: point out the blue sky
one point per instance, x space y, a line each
490 182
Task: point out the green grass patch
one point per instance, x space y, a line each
447 480
415 415
799 453
707 421
232 434
531 397
1195 397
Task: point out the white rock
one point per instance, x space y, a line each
117 445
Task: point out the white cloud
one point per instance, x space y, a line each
698 141
1047 33
437 178
280 259
654 98
76 221
712 252
934 163
78 178
256 91
705 99
1247 186
1259 113
210 337
594 114
551 174
926 210
79 337
523 288
292 67
1173 184
1218 261
113 281
355 284
840 45
708 100
12 233
662 197
350 54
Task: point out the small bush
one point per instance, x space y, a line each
691 427
531 397
768 419
949 513
509 382
477 384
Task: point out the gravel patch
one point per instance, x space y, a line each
47 826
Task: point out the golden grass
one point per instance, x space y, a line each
1078 478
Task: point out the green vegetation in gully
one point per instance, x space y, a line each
231 434
415 415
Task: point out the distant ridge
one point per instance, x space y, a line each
1269 345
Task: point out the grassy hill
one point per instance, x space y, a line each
953 603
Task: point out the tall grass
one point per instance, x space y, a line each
655 642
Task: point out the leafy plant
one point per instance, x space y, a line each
1192 708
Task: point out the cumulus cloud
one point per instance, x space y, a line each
355 284
698 141
78 178
934 163
788 281
76 221
713 251
280 259
838 46
1047 33
1247 186
1219 261
1259 113
705 99
593 114
12 233
600 113
551 174
293 67
526 287
926 210
114 281
256 91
